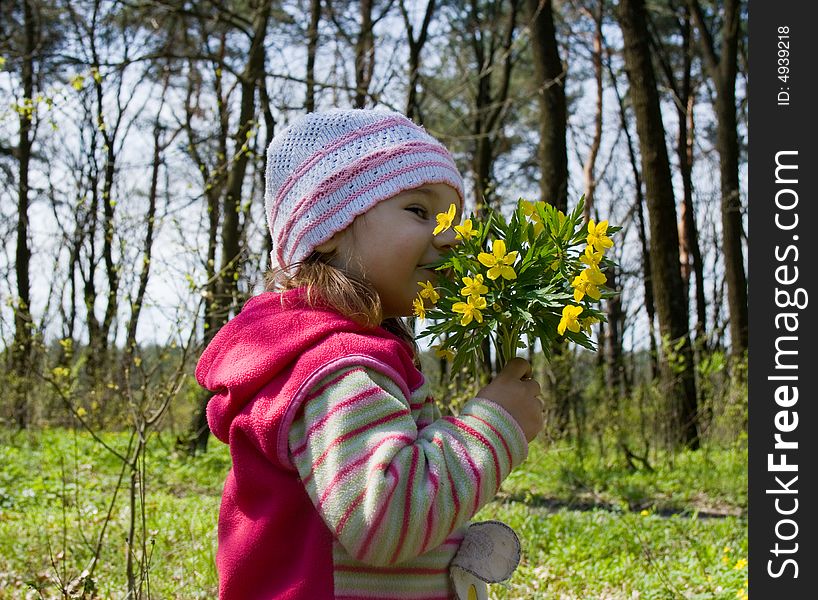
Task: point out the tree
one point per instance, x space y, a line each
312 47
22 344
363 42
223 188
31 36
639 203
683 88
101 48
723 68
492 50
415 47
552 161
550 80
668 292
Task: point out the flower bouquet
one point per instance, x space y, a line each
538 274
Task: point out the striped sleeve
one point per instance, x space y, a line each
388 488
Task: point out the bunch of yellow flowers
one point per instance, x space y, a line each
532 275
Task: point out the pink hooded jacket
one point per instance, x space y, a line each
272 541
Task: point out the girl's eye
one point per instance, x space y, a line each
419 211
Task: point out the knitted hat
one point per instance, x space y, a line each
327 168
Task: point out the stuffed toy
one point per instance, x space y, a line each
489 554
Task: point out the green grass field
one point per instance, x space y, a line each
591 528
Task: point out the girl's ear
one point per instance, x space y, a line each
330 245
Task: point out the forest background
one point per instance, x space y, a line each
132 139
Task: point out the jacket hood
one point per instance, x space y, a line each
262 341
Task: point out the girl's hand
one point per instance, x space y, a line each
518 394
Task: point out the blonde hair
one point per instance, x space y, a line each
329 286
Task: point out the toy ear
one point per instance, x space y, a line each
490 551
467 586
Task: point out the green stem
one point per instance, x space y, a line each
508 341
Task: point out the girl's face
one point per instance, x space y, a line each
391 245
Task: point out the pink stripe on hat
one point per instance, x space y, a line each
324 170
364 169
324 151
393 190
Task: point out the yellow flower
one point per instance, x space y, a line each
530 211
644 512
444 220
587 323
465 231
428 291
446 353
60 372
498 261
418 309
474 286
569 319
590 257
470 309
740 564
587 282
596 236
77 81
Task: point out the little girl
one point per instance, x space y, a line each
346 481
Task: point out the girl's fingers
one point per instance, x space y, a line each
517 368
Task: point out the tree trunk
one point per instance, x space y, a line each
231 251
89 289
364 55
550 80
23 330
639 201
671 303
99 331
312 46
112 268
691 256
144 275
224 302
690 253
610 358
722 70
590 163
692 235
415 48
491 103
552 154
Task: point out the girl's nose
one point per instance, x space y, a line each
446 240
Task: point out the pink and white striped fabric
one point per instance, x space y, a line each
327 168
346 482
396 483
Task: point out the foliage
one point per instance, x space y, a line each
590 526
511 280
56 489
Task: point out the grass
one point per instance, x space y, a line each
591 528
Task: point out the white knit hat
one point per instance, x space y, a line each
327 168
